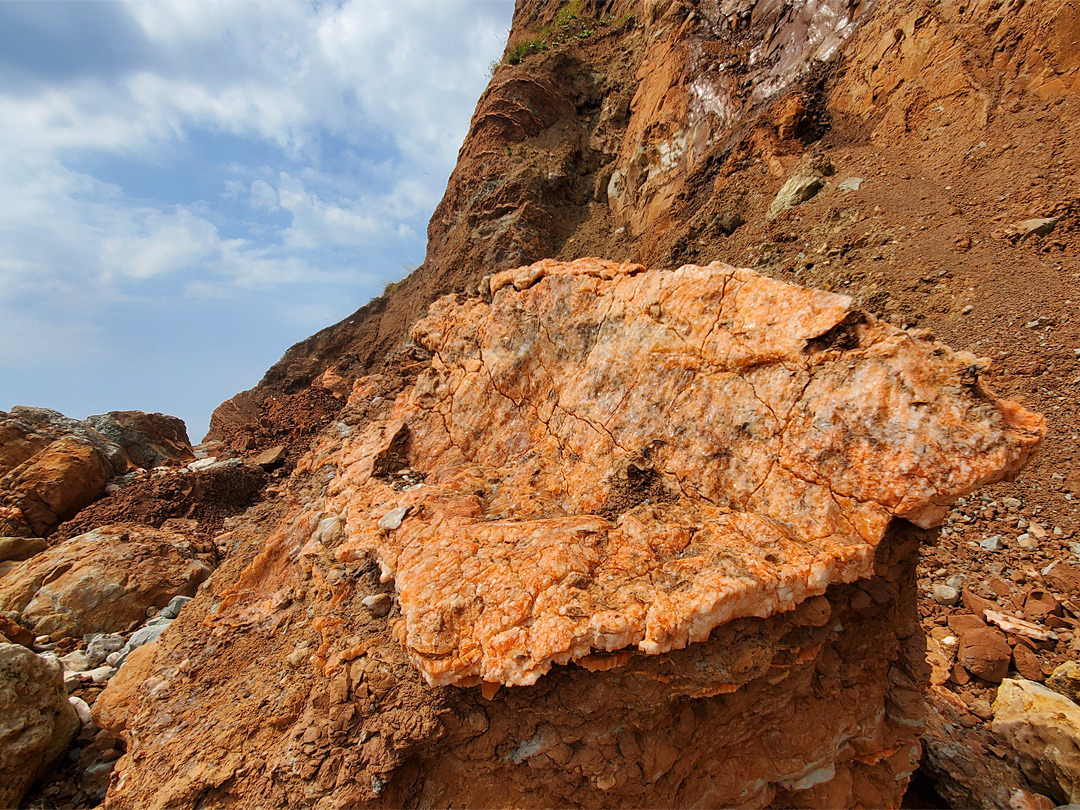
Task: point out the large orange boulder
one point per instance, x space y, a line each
55 484
607 537
104 581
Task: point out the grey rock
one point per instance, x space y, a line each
100 645
144 635
991 543
172 610
1011 503
851 184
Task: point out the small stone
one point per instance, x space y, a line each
392 519
378 604
82 709
172 610
955 581
1041 604
946 595
1027 542
1011 504
851 184
100 645
1027 663
981 709
985 652
967 310
991 543
270 458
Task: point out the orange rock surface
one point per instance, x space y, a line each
601 457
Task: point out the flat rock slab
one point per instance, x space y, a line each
619 458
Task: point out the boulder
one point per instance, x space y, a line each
55 484
110 710
650 557
37 723
104 581
1043 729
53 466
20 548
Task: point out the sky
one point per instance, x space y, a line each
188 188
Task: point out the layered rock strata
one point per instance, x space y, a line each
684 482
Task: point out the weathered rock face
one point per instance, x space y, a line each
1043 729
614 458
36 721
103 581
685 482
53 466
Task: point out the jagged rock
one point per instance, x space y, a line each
959 762
613 463
1043 729
570 362
20 548
110 710
53 466
1066 680
104 581
37 723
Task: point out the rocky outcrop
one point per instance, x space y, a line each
1043 729
104 581
36 721
642 500
53 466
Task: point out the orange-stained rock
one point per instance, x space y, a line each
55 484
615 458
52 466
111 708
104 581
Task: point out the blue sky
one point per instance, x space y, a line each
189 188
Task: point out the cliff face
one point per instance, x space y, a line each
614 490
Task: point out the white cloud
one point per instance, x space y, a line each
238 147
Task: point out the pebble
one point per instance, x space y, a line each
946 595
955 581
392 519
851 184
967 310
991 543
378 604
1074 547
82 709
1011 503
1027 542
